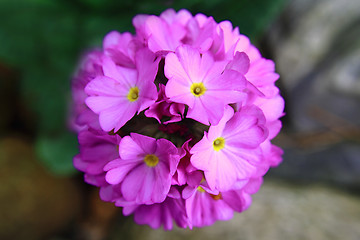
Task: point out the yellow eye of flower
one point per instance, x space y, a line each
133 94
200 189
198 89
151 160
219 143
216 197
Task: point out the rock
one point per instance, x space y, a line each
279 212
320 42
305 33
338 166
33 204
316 48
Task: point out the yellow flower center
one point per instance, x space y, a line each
133 94
198 89
219 143
200 189
216 197
151 160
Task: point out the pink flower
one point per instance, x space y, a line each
121 48
210 91
202 84
163 108
158 214
122 92
201 30
186 173
144 169
230 150
81 117
204 207
96 150
179 18
162 34
261 74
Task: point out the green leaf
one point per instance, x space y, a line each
56 153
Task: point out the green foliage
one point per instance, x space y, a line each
56 153
251 16
43 40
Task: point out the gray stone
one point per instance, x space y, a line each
337 165
278 212
316 47
304 34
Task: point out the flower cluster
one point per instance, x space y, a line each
175 122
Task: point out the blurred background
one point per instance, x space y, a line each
313 194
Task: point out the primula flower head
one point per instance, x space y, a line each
175 122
